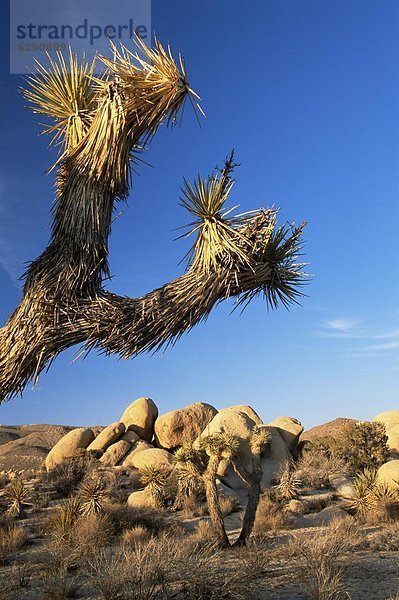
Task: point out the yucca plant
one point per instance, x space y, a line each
360 502
101 124
288 484
154 478
189 470
65 518
92 493
17 495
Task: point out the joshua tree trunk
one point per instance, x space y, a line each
213 501
64 301
253 480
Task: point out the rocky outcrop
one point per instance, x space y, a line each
275 455
153 457
290 430
115 453
390 419
388 473
141 499
249 412
70 445
107 436
184 425
140 417
236 423
139 446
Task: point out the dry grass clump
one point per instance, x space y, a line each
137 572
125 517
270 516
66 477
315 465
83 534
12 537
320 573
228 505
192 507
255 559
62 521
59 586
139 534
386 539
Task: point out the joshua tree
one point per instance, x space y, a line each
218 446
101 123
257 442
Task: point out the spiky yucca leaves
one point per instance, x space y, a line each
154 478
63 520
17 495
63 92
372 498
189 469
64 300
288 484
92 493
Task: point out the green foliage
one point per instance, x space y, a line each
361 445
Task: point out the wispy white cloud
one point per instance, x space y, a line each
341 325
351 330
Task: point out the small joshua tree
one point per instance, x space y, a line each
154 478
218 446
257 442
17 495
101 123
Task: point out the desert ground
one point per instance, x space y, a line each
121 512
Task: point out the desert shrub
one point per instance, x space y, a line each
199 578
386 539
372 501
12 537
92 531
228 505
193 507
255 560
316 464
125 517
17 495
66 477
137 572
270 516
320 573
361 445
58 586
136 535
61 522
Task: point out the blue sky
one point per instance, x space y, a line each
307 93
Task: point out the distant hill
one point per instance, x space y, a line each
325 430
26 446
